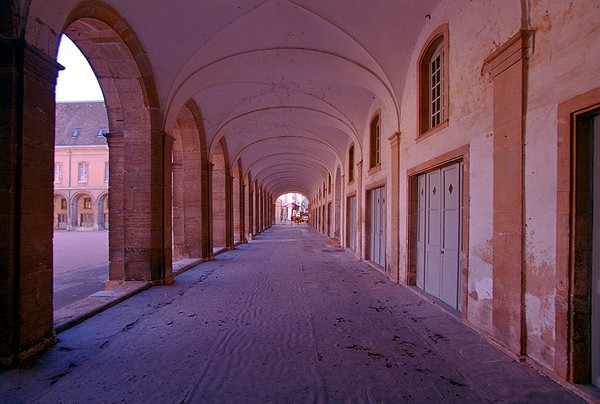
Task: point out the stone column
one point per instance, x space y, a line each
243 238
258 211
359 210
116 229
229 243
209 207
393 264
508 68
27 120
250 210
165 277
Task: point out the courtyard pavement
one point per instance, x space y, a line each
287 318
80 265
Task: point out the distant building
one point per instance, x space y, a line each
289 206
81 166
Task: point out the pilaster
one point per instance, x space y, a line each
359 210
394 267
508 70
116 230
27 117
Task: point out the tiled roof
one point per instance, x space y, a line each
88 117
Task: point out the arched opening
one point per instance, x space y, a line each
83 212
139 151
103 221
338 204
60 212
80 183
291 208
219 200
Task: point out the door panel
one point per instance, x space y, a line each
433 236
451 232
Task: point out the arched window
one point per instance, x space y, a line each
351 164
433 82
375 143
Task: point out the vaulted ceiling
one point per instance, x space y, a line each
289 84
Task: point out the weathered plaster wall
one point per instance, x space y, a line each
476 29
566 56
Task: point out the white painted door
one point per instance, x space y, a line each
377 225
439 213
596 259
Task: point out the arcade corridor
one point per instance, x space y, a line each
288 317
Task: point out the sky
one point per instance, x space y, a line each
77 82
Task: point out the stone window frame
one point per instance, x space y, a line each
106 171
437 45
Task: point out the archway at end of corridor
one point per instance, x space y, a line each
291 208
81 167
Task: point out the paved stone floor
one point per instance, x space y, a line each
286 318
80 265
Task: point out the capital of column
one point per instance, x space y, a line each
114 139
394 139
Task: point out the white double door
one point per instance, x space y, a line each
377 226
439 220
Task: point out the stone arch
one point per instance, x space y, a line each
125 76
103 215
61 212
82 211
189 151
